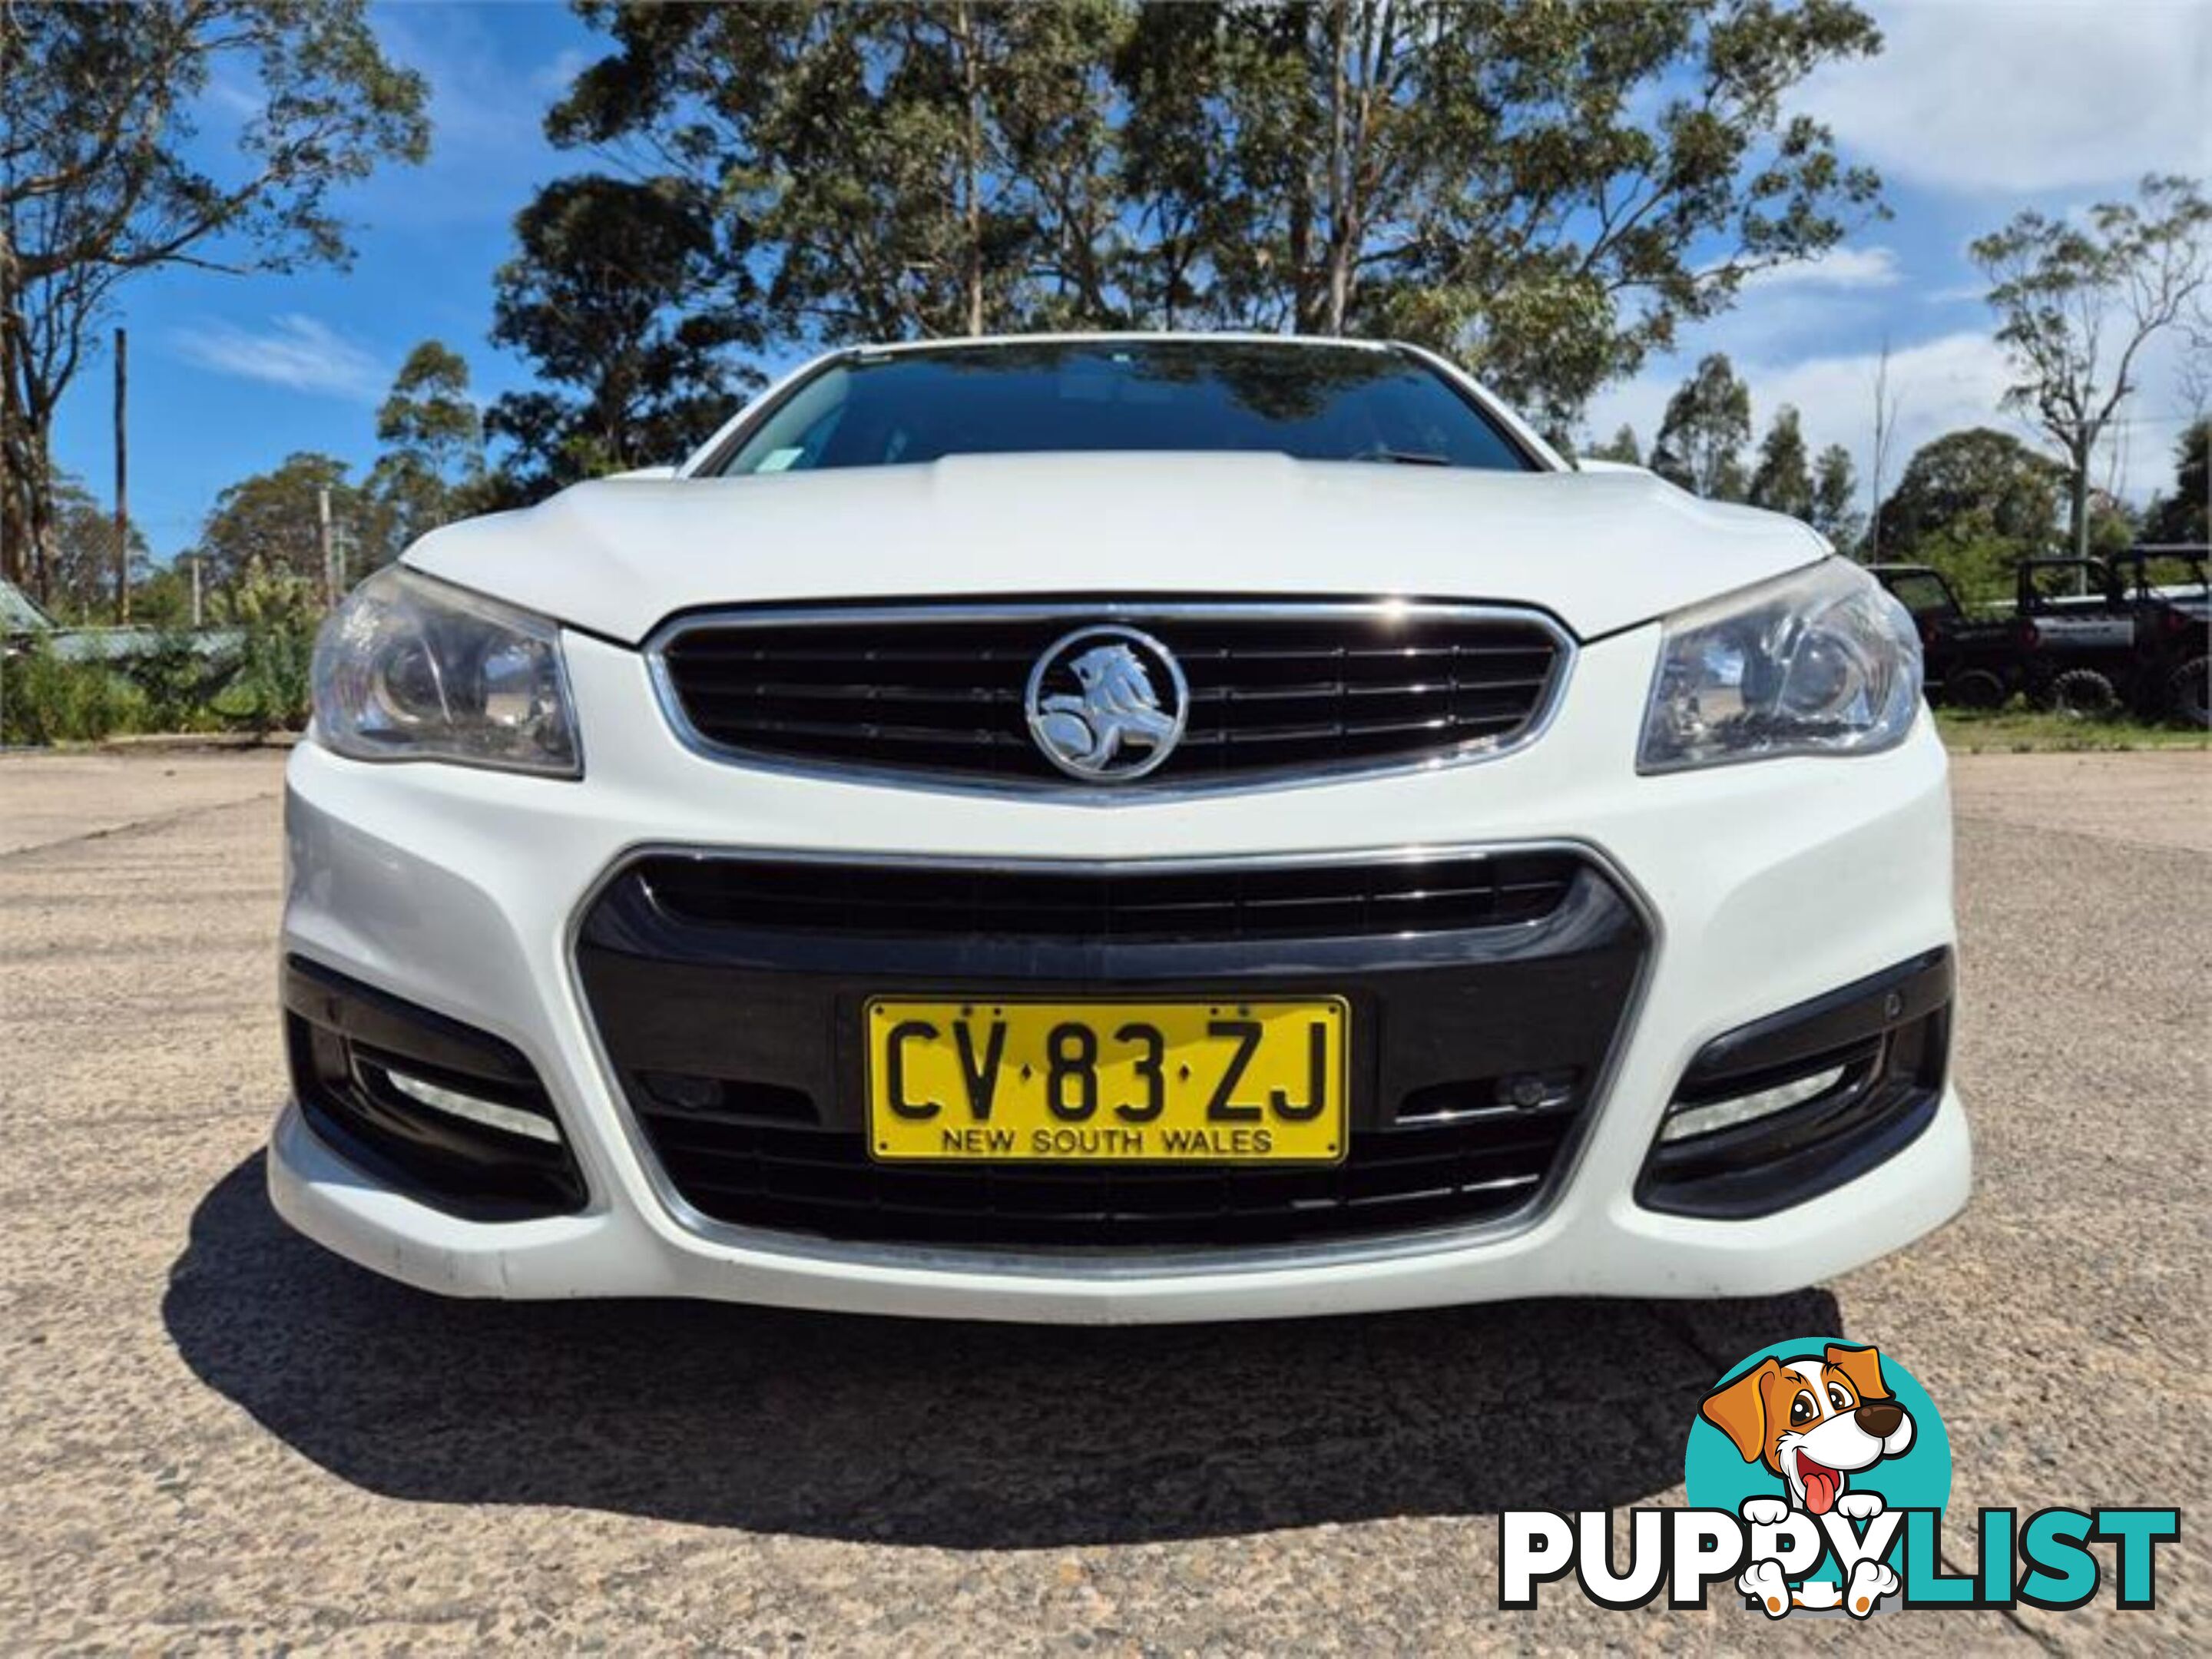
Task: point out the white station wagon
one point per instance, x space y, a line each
1119 828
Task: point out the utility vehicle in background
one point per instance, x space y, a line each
2108 636
2086 637
1973 662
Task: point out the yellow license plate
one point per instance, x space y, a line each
1107 1082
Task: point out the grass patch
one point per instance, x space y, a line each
2030 731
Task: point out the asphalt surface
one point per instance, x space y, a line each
212 1434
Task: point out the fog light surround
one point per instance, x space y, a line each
1685 1123
473 1109
1778 1112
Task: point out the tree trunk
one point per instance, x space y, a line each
16 464
971 165
31 492
1337 252
27 416
14 501
2077 493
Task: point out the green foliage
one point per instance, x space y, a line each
2186 515
1621 447
163 600
893 169
1973 504
105 177
617 297
173 683
272 521
2078 298
2019 730
278 612
179 683
1782 480
44 699
432 468
1546 190
1701 438
1835 498
81 573
1978 562
2111 526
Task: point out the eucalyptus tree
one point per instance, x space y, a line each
1546 192
1702 436
101 179
430 464
2079 298
619 298
1782 480
1835 498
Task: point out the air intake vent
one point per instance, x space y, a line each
804 1181
1317 900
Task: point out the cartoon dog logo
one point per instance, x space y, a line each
1814 1421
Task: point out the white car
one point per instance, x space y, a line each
1119 828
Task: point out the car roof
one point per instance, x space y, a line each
1121 337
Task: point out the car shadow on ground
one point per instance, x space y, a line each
956 1435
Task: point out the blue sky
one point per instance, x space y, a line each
1974 110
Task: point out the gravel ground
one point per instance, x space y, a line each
213 1434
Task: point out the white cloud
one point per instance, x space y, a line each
1782 313
553 79
1938 386
475 116
296 351
2021 96
1838 268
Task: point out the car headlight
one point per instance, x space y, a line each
410 668
1822 661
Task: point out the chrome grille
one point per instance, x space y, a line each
1275 687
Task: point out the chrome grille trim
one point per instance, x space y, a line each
1135 612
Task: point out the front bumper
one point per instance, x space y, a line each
1761 887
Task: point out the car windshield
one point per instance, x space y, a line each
1922 594
1316 403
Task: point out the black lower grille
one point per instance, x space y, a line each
819 1180
1431 894
1277 687
734 1031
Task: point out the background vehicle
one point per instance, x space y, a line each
2108 636
2085 636
1972 662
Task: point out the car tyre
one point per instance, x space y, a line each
2083 694
2189 692
1973 688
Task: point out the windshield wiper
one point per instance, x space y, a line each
1403 457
